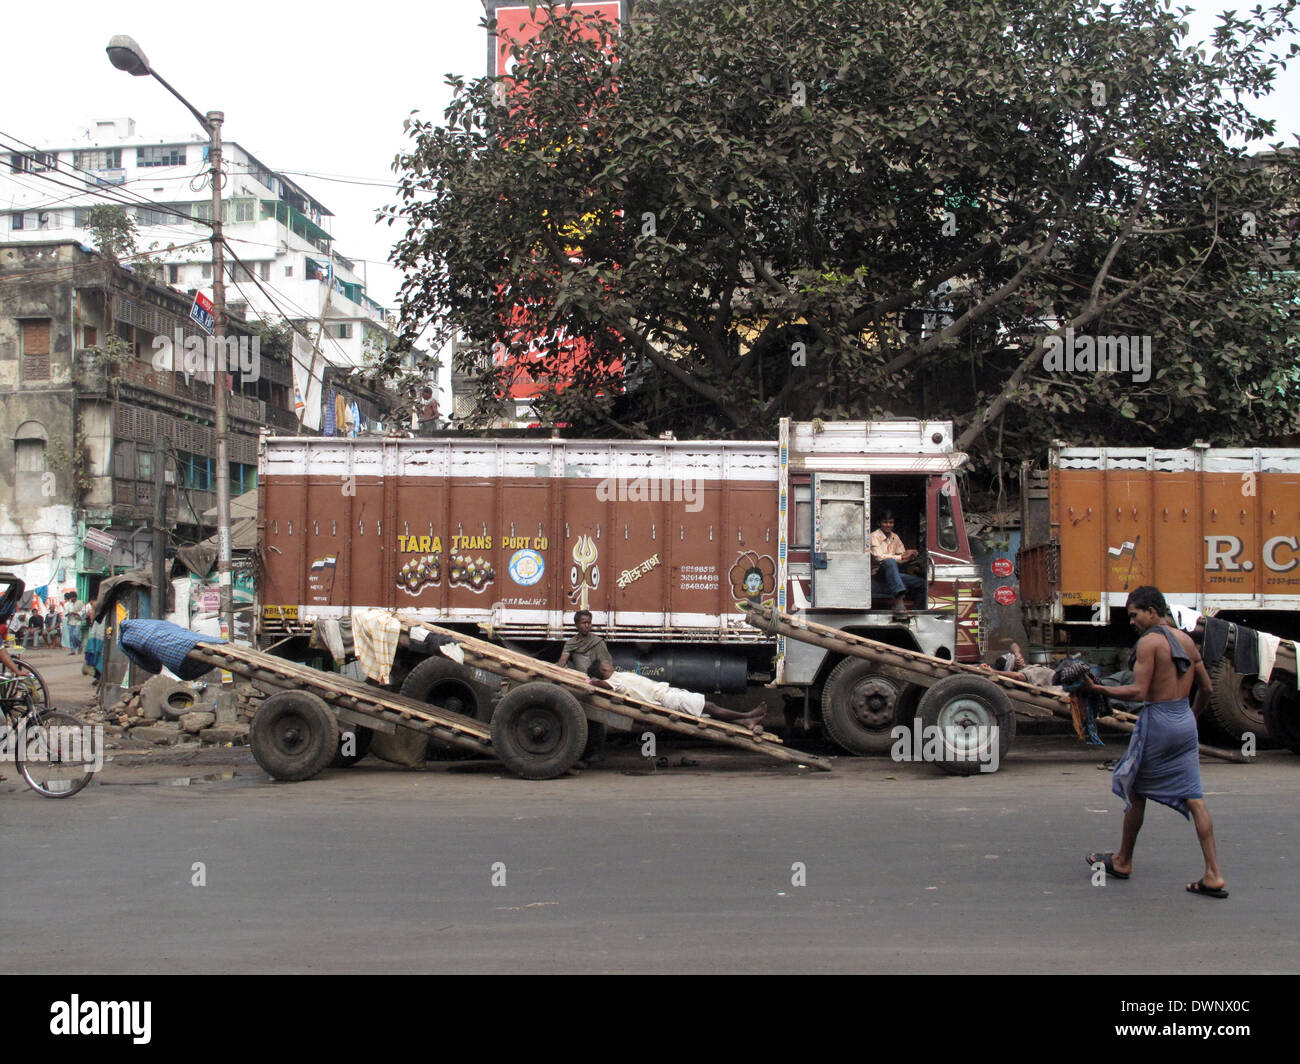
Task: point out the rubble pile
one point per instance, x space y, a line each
168 712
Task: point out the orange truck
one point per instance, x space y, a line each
1217 530
663 541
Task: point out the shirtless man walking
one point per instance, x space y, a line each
1162 761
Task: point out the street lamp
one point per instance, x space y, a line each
125 54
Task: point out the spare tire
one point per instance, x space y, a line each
539 731
294 735
966 709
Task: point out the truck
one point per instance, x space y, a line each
1216 529
666 542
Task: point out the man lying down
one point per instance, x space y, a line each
658 693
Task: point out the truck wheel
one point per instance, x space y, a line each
860 707
360 746
539 731
965 709
294 735
1234 706
441 682
1282 712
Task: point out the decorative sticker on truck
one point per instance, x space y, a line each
526 567
753 578
1125 566
320 579
463 570
584 575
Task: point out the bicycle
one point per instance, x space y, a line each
48 746
34 681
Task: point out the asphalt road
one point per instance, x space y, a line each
686 869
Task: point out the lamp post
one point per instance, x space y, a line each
126 55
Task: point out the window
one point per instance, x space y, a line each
264 270
161 155
343 332
802 515
33 162
36 350
288 271
16 220
49 220
154 216
89 336
98 159
173 275
207 271
144 465
947 522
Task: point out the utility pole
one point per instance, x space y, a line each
159 607
219 388
125 54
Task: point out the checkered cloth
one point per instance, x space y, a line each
375 634
154 644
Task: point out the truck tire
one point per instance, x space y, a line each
361 746
958 702
294 735
1282 712
440 682
539 731
1234 707
860 707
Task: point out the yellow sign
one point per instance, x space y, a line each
275 613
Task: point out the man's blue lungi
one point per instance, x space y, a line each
1162 761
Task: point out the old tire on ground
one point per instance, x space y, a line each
162 698
1282 712
539 731
1234 706
440 682
964 709
360 745
294 735
860 707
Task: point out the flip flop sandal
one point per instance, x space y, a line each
1200 888
1108 861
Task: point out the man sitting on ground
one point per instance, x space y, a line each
658 693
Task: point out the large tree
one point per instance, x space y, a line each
847 208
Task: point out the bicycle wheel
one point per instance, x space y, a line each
56 754
32 680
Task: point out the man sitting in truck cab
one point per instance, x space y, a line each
887 554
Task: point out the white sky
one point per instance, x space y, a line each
316 87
